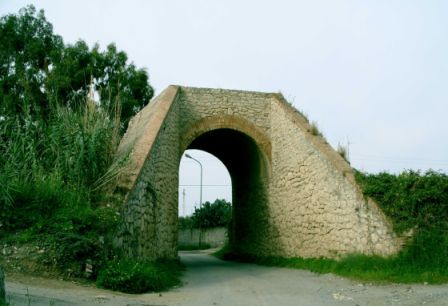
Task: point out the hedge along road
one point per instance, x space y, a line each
210 281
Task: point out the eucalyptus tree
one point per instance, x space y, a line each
37 71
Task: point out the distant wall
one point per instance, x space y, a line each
215 237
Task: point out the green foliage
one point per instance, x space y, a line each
419 202
138 277
57 145
37 71
116 81
410 199
28 48
185 222
218 213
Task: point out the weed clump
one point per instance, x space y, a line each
314 130
343 152
138 277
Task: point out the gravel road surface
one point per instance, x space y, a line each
210 281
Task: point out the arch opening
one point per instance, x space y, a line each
205 195
216 181
249 172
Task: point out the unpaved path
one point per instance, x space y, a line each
209 281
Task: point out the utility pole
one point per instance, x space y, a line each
183 203
200 196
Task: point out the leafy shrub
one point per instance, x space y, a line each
185 222
410 199
138 277
218 213
415 201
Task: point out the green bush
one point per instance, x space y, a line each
218 213
138 277
410 199
185 223
419 202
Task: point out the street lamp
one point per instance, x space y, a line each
200 198
200 195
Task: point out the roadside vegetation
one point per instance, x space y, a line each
413 201
216 214
63 109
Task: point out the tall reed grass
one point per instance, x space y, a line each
52 172
71 150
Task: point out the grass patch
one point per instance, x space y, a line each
357 267
139 277
343 152
314 129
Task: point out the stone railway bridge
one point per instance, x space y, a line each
293 195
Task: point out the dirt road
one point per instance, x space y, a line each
209 281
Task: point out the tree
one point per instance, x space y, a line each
37 71
117 83
28 48
218 213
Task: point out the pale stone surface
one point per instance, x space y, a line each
214 237
293 195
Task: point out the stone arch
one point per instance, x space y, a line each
296 195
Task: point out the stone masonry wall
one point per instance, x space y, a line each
148 229
293 194
218 108
317 206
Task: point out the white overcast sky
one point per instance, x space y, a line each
373 74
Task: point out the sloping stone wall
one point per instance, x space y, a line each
317 206
293 195
148 228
